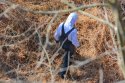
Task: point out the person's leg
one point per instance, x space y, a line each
69 52
64 65
72 50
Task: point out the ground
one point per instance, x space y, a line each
21 51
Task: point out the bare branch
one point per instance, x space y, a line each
66 10
81 63
120 34
90 15
101 75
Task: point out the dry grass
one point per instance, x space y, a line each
23 35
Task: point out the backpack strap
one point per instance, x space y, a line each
70 31
63 32
66 34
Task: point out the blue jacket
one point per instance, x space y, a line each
69 24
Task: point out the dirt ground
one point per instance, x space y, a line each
20 51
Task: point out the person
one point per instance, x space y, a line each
66 34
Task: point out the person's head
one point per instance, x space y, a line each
72 18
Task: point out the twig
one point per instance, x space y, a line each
65 10
59 11
25 38
47 55
120 34
90 15
101 75
111 32
49 28
82 63
123 81
45 45
13 6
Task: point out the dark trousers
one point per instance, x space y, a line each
69 52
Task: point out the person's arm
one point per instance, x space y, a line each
75 41
58 33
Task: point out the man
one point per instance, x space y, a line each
66 34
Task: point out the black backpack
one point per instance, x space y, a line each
64 38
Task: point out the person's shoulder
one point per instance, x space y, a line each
61 23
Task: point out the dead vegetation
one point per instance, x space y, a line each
25 55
